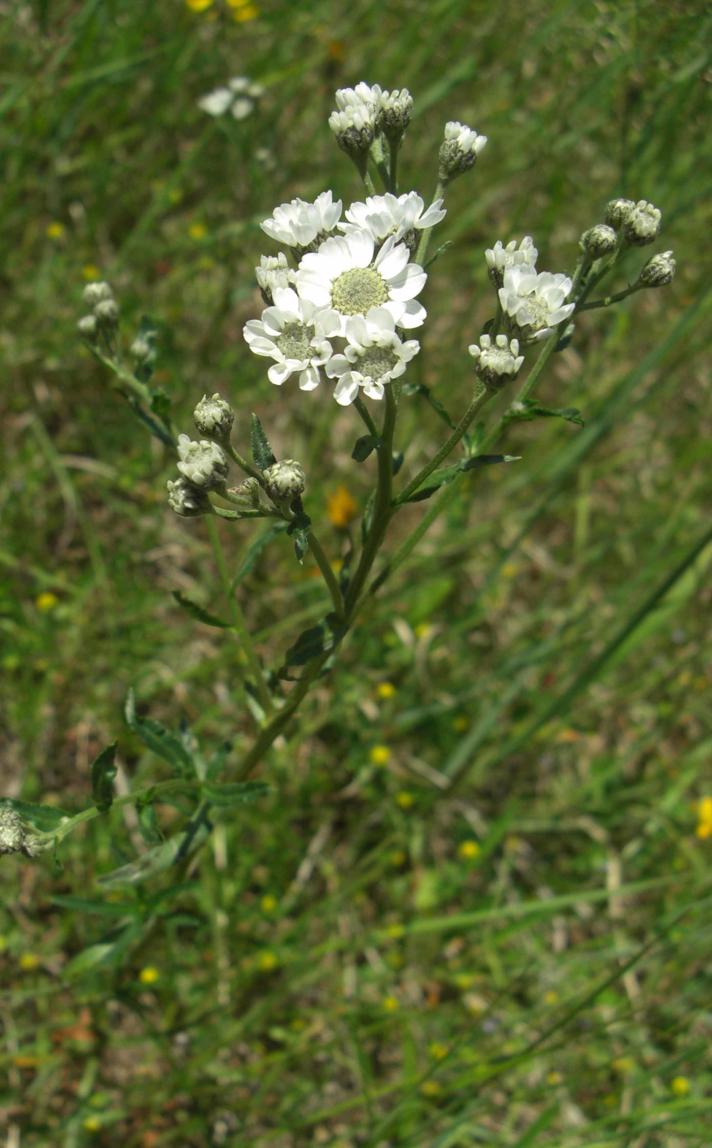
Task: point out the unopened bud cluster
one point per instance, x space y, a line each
204 463
459 150
598 241
638 223
272 274
214 417
104 317
284 481
658 271
496 360
14 837
365 112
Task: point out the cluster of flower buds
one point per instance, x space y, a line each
104 316
365 112
638 223
496 360
598 241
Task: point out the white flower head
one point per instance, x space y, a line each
459 150
535 302
186 499
496 360
642 224
364 97
295 333
396 215
373 356
347 275
273 272
203 463
239 97
301 224
499 257
214 417
394 113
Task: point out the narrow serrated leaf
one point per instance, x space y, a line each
198 612
262 453
364 446
43 818
103 772
234 792
157 738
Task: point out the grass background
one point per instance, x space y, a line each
341 972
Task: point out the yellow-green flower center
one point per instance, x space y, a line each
356 291
376 362
294 341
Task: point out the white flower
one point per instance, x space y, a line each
459 149
273 272
374 355
499 257
535 301
239 97
203 463
298 224
397 215
354 128
496 360
345 274
364 98
295 333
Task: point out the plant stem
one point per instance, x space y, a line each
366 416
383 509
479 398
422 250
609 299
239 622
244 464
329 577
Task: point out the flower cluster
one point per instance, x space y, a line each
534 302
367 111
341 312
239 97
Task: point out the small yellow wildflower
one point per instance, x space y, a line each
245 12
423 630
379 755
460 723
268 903
391 1004
623 1065
91 272
431 1088
405 799
197 231
149 975
46 601
341 508
199 5
385 691
704 813
29 962
395 931
26 1061
509 570
680 1085
91 1124
267 961
55 230
437 1050
554 1078
468 850
551 997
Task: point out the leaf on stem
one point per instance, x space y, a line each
425 393
157 738
43 818
364 446
444 477
103 772
527 410
262 453
255 549
198 612
234 792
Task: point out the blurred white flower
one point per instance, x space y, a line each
373 356
239 97
295 334
397 215
535 302
347 275
299 224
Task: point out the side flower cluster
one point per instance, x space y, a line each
533 301
340 312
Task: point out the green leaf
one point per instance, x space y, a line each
443 477
217 761
160 402
103 772
43 818
313 642
425 393
255 549
99 956
262 454
299 530
157 738
156 429
234 792
397 460
155 860
99 908
198 612
528 409
364 446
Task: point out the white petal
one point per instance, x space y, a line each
409 283
413 315
309 379
346 390
337 366
278 372
373 389
393 262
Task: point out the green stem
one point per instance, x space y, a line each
393 147
244 464
609 299
329 577
383 509
479 398
366 416
424 243
238 621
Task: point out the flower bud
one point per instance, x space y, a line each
87 327
284 480
107 313
250 491
599 241
273 272
617 211
459 150
203 463
97 293
186 499
14 837
214 417
496 361
642 224
354 129
394 114
141 350
658 271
